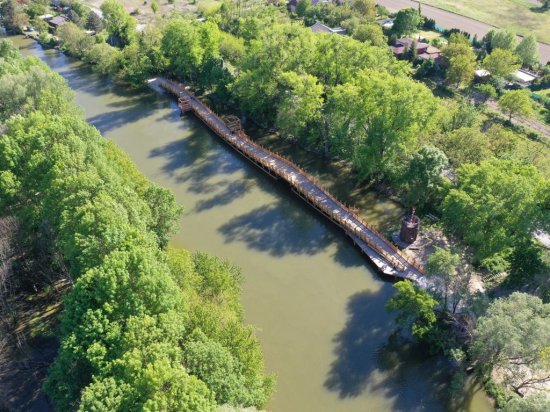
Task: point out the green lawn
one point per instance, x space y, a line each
522 16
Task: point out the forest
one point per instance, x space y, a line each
144 326
341 97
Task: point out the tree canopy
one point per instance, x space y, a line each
496 204
514 338
143 327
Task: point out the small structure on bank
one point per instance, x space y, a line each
233 123
409 227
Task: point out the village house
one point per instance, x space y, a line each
524 77
57 21
321 28
424 51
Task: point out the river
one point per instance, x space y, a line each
317 304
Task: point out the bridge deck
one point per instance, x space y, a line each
381 252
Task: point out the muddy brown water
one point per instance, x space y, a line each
316 302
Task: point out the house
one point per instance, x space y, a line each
386 24
423 50
57 21
524 77
481 74
321 28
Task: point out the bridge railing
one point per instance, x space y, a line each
399 260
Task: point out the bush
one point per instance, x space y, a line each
429 24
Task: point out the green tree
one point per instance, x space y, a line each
74 17
504 39
502 141
155 7
129 312
301 105
496 205
528 50
105 59
487 91
516 103
406 22
366 8
461 60
119 24
423 176
514 337
165 213
188 45
94 22
370 33
466 145
74 40
458 45
415 309
377 118
460 71
534 403
443 264
303 7
12 16
501 63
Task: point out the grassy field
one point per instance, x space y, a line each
522 16
142 11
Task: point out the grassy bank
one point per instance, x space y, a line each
523 16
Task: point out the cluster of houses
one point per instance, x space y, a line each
424 51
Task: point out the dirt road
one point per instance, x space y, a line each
450 20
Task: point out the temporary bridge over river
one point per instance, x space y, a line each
384 255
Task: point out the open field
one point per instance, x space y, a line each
451 20
522 16
141 9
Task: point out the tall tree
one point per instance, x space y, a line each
460 71
406 22
301 105
443 264
12 16
119 24
422 178
504 39
497 205
514 338
94 22
461 60
528 50
366 8
382 115
516 103
415 309
501 62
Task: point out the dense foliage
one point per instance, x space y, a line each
336 95
143 328
343 97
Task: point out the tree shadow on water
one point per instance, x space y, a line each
228 192
372 358
197 159
280 228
